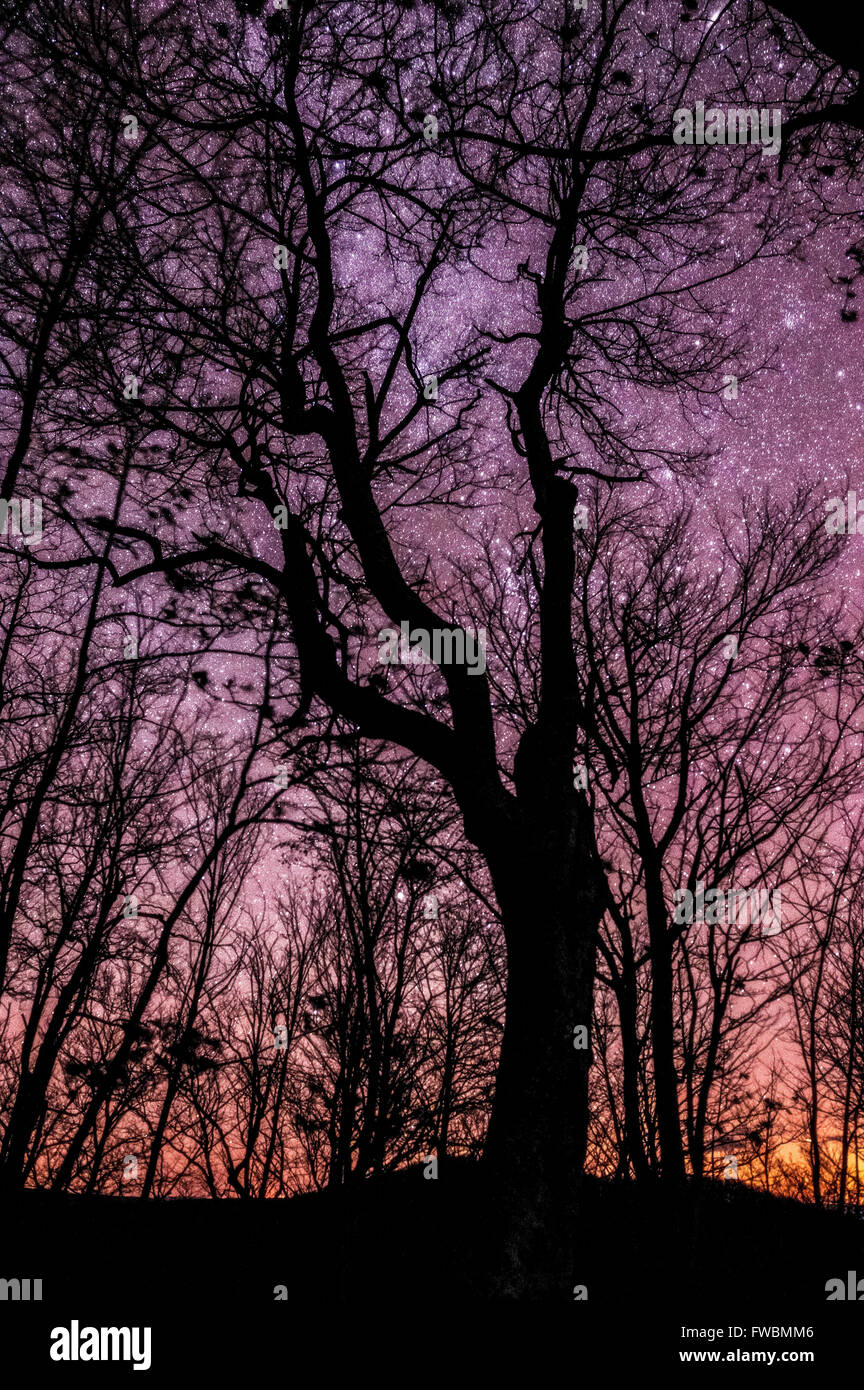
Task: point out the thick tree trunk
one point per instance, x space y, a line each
626 1000
662 1021
537 1134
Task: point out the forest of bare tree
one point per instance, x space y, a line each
326 320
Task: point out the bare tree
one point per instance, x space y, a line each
306 423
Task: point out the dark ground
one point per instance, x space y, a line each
394 1264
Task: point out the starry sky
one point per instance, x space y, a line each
797 418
